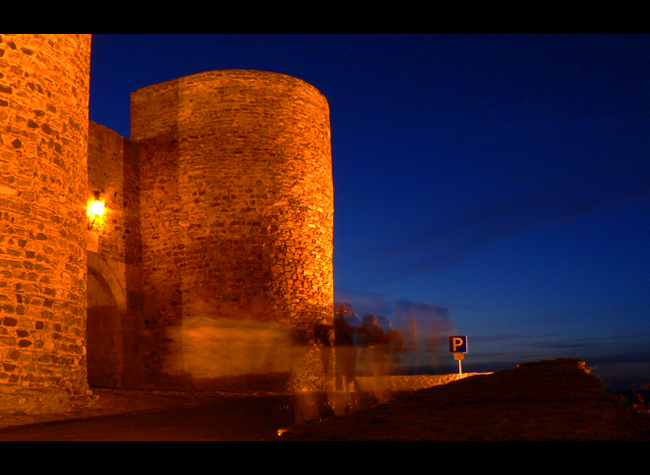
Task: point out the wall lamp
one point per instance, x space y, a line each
95 210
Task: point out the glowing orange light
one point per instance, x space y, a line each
95 210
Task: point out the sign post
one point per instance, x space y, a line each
458 346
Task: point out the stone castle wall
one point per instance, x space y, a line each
44 95
216 244
115 299
114 176
237 207
219 221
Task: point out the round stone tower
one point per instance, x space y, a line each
237 224
44 93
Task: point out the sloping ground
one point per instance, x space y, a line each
396 383
104 402
549 400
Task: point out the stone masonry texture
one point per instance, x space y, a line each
115 318
213 259
237 206
44 95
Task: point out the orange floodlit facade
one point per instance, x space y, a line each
208 256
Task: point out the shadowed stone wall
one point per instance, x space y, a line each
44 94
115 312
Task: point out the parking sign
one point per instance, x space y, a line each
458 344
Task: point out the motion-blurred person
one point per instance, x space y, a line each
374 345
345 351
408 328
396 346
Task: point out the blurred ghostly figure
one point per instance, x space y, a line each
345 329
435 326
207 347
325 343
345 350
396 346
374 346
424 328
408 328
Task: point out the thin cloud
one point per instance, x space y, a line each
497 338
453 242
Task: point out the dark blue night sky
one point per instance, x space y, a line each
499 184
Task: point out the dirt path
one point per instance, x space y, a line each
549 400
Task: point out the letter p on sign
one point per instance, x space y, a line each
458 344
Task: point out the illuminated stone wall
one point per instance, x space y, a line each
44 94
114 177
237 212
216 244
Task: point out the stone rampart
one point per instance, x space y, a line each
237 205
44 95
213 258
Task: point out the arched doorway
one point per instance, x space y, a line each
114 324
105 364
